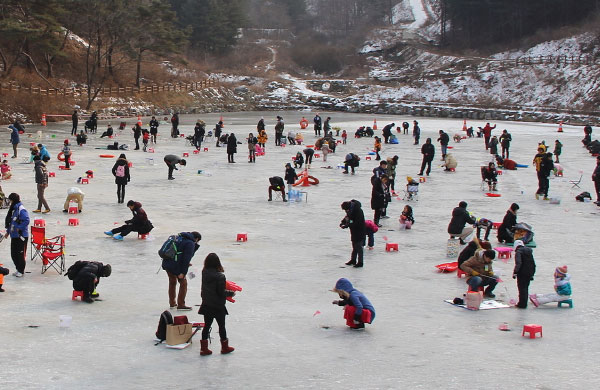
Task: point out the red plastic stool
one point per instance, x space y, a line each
205 149
242 237
62 167
77 294
73 222
90 175
196 152
4 154
142 236
368 158
150 150
130 164
39 223
532 329
452 170
504 252
181 135
317 155
51 174
499 172
496 225
186 154
73 210
389 247
85 181
460 273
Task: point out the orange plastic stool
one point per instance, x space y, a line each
532 329
242 237
76 294
389 247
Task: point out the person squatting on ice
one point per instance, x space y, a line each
177 269
358 310
213 307
87 277
17 227
479 269
562 288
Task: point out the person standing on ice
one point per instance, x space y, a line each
14 139
75 119
405 126
355 220
153 129
231 147
317 124
416 132
218 130
428 152
596 180
524 271
505 140
279 127
260 126
444 139
187 245
562 288
487 133
16 224
214 295
121 173
358 310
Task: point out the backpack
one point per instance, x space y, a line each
161 331
74 269
168 250
120 172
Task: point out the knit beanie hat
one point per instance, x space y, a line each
561 270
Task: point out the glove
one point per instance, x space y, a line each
335 302
491 273
514 276
531 278
474 273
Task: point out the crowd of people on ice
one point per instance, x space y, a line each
475 259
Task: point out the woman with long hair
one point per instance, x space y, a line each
213 302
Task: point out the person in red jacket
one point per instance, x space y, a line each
487 133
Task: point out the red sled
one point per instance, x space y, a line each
448 267
349 316
231 286
492 195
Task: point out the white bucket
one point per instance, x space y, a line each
64 321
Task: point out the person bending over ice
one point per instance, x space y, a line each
358 310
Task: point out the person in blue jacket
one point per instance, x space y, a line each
17 227
14 139
358 308
187 245
43 152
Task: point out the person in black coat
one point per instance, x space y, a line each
355 220
218 130
318 123
199 131
428 152
505 140
214 295
378 197
75 120
88 278
137 133
187 244
405 126
260 125
231 147
523 271
121 173
546 167
505 229
387 132
444 139
460 217
175 125
153 129
277 184
596 180
94 122
138 223
290 175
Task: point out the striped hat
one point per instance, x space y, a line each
561 270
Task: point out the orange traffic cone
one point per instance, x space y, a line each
465 125
139 122
375 124
43 119
560 129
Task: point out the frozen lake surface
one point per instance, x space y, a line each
294 255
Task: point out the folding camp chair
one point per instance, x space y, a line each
53 254
575 183
38 239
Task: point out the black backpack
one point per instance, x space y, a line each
74 269
581 197
168 250
161 332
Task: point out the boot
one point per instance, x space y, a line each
1 289
204 348
494 187
225 348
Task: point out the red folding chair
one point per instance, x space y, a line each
38 239
53 254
